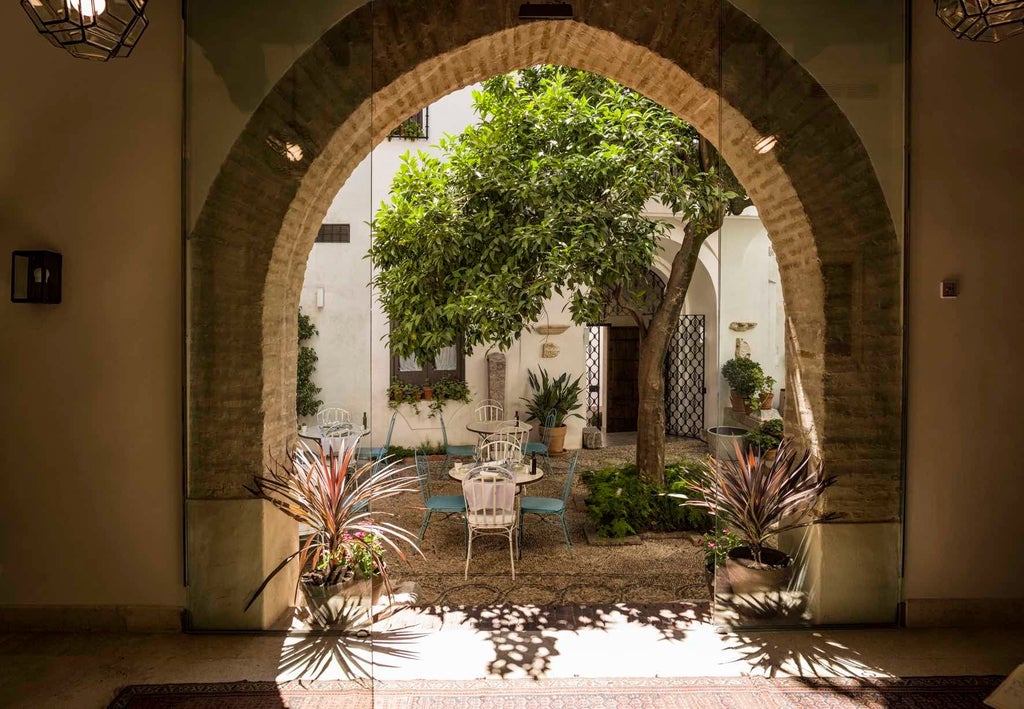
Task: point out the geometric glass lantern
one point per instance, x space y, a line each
982 20
90 29
35 277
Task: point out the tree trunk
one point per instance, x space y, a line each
650 437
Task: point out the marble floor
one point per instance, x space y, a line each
86 670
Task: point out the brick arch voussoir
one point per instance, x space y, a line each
816 193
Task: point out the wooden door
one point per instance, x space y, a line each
623 368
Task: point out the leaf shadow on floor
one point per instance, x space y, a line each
525 637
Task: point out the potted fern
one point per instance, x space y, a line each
552 400
758 499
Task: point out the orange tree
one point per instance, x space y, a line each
546 194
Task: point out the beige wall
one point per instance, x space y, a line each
90 463
965 487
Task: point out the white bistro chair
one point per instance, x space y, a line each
332 419
489 410
496 449
490 492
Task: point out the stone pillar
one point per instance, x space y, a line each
232 546
496 377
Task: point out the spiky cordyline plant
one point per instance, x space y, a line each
761 497
319 490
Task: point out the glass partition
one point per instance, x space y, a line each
812 123
277 125
298 122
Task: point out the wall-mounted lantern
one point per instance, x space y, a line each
35 277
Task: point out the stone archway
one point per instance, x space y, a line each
816 193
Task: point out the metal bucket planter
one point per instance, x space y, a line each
346 602
722 441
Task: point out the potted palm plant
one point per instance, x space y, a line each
759 498
341 553
552 400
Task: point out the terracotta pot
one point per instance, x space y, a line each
766 401
556 438
739 404
428 393
744 578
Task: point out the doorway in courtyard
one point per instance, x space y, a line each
802 110
623 368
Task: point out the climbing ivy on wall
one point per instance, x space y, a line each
307 402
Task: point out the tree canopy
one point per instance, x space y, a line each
545 194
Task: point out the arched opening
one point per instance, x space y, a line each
816 193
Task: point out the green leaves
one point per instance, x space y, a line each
307 402
547 192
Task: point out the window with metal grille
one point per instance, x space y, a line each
450 362
334 234
412 128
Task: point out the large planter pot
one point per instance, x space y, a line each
722 441
556 438
347 601
745 578
739 402
593 437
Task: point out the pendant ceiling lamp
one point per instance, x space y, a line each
982 20
90 29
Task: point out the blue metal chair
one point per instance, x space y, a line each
549 506
375 453
541 448
447 505
453 451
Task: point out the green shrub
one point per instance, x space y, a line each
430 448
767 437
744 375
772 428
621 503
400 452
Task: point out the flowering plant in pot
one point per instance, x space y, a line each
760 498
341 559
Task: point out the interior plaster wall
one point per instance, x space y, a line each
90 433
104 365
964 528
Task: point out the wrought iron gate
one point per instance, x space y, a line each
684 379
593 368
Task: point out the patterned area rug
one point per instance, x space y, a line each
681 693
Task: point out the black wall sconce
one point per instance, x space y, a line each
546 11
35 277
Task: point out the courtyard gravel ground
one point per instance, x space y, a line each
661 569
